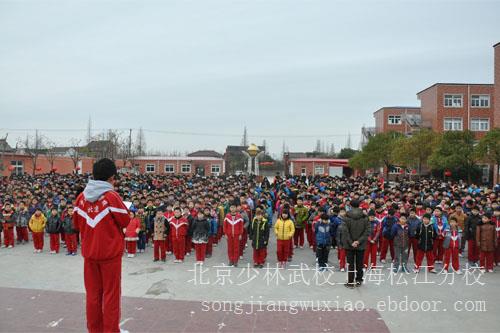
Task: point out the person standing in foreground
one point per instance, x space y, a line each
356 230
100 216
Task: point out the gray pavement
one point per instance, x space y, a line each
212 286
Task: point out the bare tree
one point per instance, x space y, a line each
50 153
140 143
76 152
32 147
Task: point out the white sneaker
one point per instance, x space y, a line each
35 251
129 255
482 270
123 331
241 257
342 269
188 254
10 247
459 272
433 271
490 271
382 261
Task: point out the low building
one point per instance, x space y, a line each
318 166
172 165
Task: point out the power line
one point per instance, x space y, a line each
169 132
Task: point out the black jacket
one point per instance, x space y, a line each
199 231
258 231
67 225
53 225
356 228
425 235
471 223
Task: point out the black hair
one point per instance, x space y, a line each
104 169
355 203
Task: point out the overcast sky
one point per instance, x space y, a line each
316 69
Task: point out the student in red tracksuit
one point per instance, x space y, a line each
53 228
8 225
132 235
425 235
178 231
233 229
169 213
161 228
100 216
452 244
371 245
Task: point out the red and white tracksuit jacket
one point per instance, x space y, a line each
178 231
233 229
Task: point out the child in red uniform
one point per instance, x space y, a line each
233 229
161 229
132 235
486 242
451 245
178 232
6 218
200 231
69 232
425 235
100 216
371 245
53 228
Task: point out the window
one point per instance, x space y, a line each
452 124
453 101
480 101
150 168
303 171
480 124
216 168
395 170
169 168
18 167
186 168
394 120
319 170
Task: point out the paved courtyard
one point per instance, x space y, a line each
43 292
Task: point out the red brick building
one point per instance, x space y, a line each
21 163
458 107
204 166
318 166
396 118
497 85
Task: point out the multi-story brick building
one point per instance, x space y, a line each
458 107
401 119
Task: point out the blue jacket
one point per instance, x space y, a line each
213 225
446 226
335 222
323 233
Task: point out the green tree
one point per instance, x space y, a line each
455 151
488 148
378 152
347 153
415 151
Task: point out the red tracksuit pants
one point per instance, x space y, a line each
22 234
497 252
38 240
168 244
283 250
259 256
54 242
387 244
189 245
429 255
341 257
413 246
211 240
298 237
179 247
472 250
8 234
486 259
451 254
309 235
438 249
243 241
159 249
370 253
71 242
131 247
103 286
233 248
200 251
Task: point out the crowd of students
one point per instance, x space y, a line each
180 215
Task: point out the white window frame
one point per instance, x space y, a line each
303 171
150 168
319 167
170 166
480 101
184 169
453 122
480 124
451 100
18 167
394 119
217 167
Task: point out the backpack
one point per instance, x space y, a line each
389 222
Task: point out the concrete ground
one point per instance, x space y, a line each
44 292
